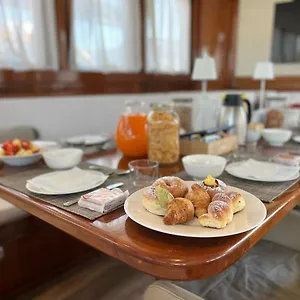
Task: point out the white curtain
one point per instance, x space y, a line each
28 37
106 35
168 36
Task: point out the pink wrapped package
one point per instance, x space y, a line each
103 200
287 159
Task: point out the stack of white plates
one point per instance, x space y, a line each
262 171
65 182
87 140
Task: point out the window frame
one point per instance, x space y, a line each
205 30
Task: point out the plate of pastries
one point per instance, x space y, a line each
207 208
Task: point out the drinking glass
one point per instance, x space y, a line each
143 172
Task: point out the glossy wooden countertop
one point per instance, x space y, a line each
163 256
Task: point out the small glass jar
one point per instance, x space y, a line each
184 107
163 134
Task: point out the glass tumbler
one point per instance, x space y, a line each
143 172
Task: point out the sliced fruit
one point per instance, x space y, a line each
20 152
17 142
27 152
8 146
16 148
9 153
36 150
25 145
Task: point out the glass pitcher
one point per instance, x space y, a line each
131 135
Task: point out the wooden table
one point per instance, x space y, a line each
163 256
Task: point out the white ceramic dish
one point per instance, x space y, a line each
87 140
199 165
276 136
251 216
72 186
275 177
26 160
296 138
21 161
46 145
64 158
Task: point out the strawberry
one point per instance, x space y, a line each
25 145
8 147
16 148
9 153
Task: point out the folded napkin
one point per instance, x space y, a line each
262 170
66 181
103 200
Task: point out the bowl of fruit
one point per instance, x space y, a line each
20 153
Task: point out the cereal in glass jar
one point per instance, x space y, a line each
163 134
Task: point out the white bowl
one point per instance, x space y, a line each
200 165
276 136
21 161
63 158
26 160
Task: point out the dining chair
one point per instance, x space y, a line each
168 291
21 132
8 212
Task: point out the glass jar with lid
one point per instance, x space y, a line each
163 134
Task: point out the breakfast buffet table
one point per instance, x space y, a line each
160 255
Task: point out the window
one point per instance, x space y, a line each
106 35
286 36
168 36
28 35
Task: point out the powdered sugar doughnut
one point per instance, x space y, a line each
174 185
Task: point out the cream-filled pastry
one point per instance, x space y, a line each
213 185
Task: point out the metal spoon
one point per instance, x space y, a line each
109 187
118 173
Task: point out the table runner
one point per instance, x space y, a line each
266 192
18 181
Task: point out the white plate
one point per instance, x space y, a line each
251 216
232 172
73 190
46 145
87 140
296 139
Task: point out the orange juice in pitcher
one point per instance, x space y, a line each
131 135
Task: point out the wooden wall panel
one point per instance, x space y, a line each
217 34
288 83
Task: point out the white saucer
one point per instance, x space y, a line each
296 139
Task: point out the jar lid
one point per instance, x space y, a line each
161 106
185 100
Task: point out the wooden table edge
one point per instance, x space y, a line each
164 268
